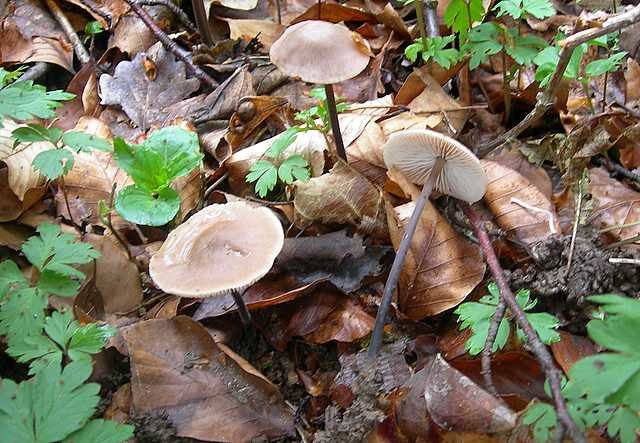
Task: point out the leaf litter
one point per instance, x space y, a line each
133 117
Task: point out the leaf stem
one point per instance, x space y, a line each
420 16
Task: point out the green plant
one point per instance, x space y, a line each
477 316
434 48
266 173
56 404
602 389
22 100
520 9
165 155
460 16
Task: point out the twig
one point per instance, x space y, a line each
107 222
335 124
576 222
66 26
213 187
615 227
626 261
527 206
202 21
545 99
35 72
492 333
182 16
431 17
618 169
66 199
171 46
539 349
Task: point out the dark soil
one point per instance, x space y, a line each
155 428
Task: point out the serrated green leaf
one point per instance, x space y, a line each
617 304
477 316
625 422
23 100
483 42
37 133
103 431
53 163
523 49
518 9
140 206
83 142
284 140
545 326
7 77
412 51
543 418
265 175
460 16
22 314
54 283
294 167
93 27
600 67
10 278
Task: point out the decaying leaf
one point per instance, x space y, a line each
207 394
266 32
441 267
457 403
345 261
571 348
365 153
145 99
525 224
343 196
615 204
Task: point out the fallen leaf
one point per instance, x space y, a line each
86 101
345 261
570 349
266 32
365 154
145 99
615 204
524 224
116 277
632 76
441 267
132 36
334 13
348 322
29 34
456 403
177 368
250 113
243 5
342 196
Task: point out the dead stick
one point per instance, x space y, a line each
171 45
66 26
492 333
177 11
431 18
538 348
202 21
546 99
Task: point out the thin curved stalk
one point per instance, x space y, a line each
200 14
398 262
335 125
243 312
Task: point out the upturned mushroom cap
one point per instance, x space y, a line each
222 248
320 52
414 153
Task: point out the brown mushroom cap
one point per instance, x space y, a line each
222 248
320 52
414 153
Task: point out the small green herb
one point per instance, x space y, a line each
435 48
460 16
519 9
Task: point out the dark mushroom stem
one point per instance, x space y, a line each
201 21
335 125
243 312
401 255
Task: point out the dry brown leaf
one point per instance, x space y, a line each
145 99
250 113
441 267
132 36
402 121
348 322
456 403
571 348
334 13
86 101
615 204
29 34
117 278
365 153
632 76
526 225
177 368
266 32
342 196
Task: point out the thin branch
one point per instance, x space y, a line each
35 72
531 208
177 11
576 223
66 26
492 333
203 23
623 260
545 100
431 17
171 46
538 348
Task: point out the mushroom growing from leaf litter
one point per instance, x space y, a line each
222 249
434 161
323 53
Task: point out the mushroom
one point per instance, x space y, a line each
323 53
222 249
434 161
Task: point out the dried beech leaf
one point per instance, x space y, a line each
143 99
616 204
266 32
571 348
441 267
348 322
334 13
456 403
178 369
116 277
22 177
524 224
343 196
365 153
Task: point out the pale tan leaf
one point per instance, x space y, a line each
343 196
405 120
22 177
441 267
507 191
615 204
632 76
177 368
365 153
267 32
